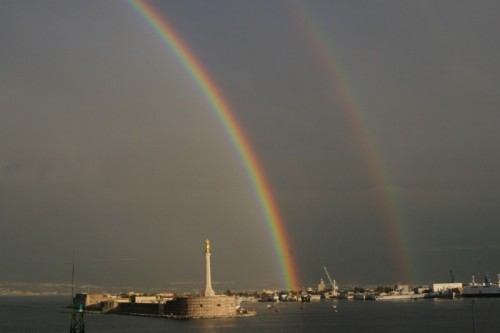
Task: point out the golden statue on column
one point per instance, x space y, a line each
208 276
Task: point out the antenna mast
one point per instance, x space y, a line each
77 324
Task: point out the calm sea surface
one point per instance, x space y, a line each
43 314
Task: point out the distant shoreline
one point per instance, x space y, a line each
34 294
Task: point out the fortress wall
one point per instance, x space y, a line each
92 301
139 308
202 307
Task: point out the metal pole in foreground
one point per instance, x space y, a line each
77 323
473 323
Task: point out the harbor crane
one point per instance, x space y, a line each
333 283
452 276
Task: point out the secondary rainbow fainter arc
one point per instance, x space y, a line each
208 88
344 92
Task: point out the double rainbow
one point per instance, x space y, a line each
172 40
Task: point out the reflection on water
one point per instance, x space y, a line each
44 315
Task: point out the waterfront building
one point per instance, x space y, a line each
92 300
437 287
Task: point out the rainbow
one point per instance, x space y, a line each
172 40
344 94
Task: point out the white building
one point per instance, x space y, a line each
437 287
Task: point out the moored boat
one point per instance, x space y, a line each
485 289
399 296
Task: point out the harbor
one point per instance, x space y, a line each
234 304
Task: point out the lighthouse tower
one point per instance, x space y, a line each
208 277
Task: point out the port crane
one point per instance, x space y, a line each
333 283
452 276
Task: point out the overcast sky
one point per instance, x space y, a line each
109 151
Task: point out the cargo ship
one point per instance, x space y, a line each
485 289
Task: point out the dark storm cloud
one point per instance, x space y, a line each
107 149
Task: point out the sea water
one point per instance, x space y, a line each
47 314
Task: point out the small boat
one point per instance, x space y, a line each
399 296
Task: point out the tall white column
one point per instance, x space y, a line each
208 277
